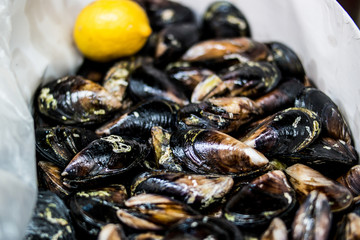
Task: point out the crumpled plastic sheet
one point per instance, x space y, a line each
36 46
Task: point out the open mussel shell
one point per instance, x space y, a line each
222 52
50 220
61 143
263 199
329 156
210 151
313 219
141 118
198 191
116 78
107 156
333 122
198 228
153 212
51 176
173 41
251 79
305 179
287 131
282 97
276 231
225 114
351 180
286 60
348 228
162 13
223 20
147 82
93 209
75 100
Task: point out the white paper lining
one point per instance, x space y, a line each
36 46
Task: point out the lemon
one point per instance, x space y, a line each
108 29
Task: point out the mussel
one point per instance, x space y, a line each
286 60
223 114
107 156
198 191
50 220
348 228
263 199
287 131
223 20
141 118
173 41
112 232
305 179
333 122
163 13
251 79
313 219
153 212
351 180
75 100
221 53
61 143
95 208
276 230
211 151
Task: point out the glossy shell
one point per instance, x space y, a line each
75 100
210 151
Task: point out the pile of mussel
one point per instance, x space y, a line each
205 134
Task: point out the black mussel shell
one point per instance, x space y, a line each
75 100
210 86
251 79
223 53
263 199
141 118
204 228
116 78
50 220
153 212
282 97
288 131
287 60
222 114
313 219
51 176
147 82
198 191
305 179
60 144
93 209
328 156
333 122
210 151
173 41
163 13
223 20
104 157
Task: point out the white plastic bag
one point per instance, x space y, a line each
36 46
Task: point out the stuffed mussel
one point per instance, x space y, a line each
206 133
